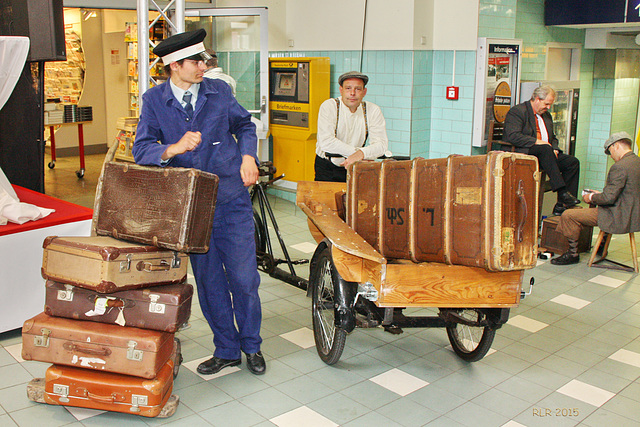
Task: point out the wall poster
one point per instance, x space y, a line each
497 84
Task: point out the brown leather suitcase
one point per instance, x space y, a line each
84 388
106 264
96 346
553 241
395 195
161 308
363 200
167 207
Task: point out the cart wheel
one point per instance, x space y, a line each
260 233
52 164
329 339
471 343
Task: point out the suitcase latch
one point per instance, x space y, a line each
132 353
42 341
66 294
154 305
138 400
176 260
125 265
62 391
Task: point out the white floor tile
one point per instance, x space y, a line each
513 424
399 382
587 393
191 277
83 413
305 247
607 281
526 323
570 301
302 337
626 356
302 416
15 351
193 367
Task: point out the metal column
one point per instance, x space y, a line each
175 21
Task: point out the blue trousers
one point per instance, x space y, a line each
227 279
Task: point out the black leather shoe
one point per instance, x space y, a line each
567 199
566 259
558 209
215 365
256 363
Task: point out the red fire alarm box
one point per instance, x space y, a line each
452 92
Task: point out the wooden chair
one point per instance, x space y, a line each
616 265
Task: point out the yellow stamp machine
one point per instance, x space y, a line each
297 87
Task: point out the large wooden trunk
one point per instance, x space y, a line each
167 207
96 346
478 211
106 391
161 308
105 264
363 200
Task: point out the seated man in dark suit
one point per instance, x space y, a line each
529 127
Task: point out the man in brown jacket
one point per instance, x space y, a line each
618 205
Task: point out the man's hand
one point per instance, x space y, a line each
249 170
355 157
188 142
587 197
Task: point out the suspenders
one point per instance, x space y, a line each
364 111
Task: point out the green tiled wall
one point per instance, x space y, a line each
594 168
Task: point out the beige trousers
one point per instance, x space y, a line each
572 221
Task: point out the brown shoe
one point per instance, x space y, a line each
566 259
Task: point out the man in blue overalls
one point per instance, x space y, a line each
195 121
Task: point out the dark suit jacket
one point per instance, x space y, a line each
520 127
619 202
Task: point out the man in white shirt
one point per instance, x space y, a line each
215 72
344 125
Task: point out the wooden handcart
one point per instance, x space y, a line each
353 285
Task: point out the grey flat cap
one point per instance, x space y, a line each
353 75
615 138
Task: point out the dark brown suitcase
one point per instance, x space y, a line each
107 391
167 207
161 308
395 194
363 200
105 264
96 346
553 241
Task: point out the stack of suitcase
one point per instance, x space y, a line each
478 211
112 306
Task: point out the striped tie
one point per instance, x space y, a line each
188 108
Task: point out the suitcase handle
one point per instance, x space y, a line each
114 397
104 351
523 212
148 267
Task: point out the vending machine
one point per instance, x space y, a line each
297 87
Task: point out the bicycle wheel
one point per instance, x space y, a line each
471 343
329 339
260 233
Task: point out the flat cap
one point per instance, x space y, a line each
181 46
353 75
615 138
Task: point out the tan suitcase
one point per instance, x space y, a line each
106 265
363 200
393 225
96 346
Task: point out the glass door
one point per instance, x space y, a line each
239 36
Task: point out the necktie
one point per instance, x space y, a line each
188 108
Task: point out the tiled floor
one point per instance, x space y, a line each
569 355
